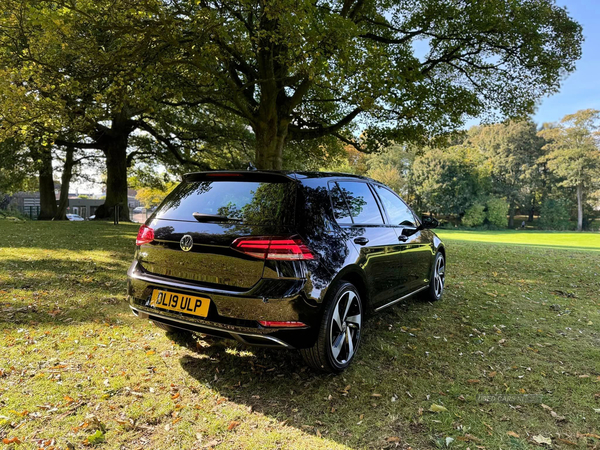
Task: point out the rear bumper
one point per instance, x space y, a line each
254 339
231 314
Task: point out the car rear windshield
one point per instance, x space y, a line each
249 202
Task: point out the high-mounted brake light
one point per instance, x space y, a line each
221 174
275 324
275 248
145 235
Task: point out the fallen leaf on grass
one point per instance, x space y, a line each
437 408
13 440
150 352
468 437
232 425
513 434
559 418
211 444
565 441
579 435
472 381
542 440
393 439
175 396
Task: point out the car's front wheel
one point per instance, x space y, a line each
340 332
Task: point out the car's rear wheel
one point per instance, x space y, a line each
340 331
435 289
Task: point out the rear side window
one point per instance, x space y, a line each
250 202
340 207
361 203
398 212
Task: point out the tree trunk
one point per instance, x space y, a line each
270 140
511 214
63 204
531 210
47 196
580 207
115 150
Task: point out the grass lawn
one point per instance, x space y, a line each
77 369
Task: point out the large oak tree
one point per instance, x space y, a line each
407 69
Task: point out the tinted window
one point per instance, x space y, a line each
397 210
362 204
340 208
250 202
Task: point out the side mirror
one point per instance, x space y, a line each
428 223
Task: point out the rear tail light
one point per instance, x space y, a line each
145 235
275 324
286 249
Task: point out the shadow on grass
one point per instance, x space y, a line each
278 384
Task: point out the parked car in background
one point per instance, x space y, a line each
289 260
75 218
138 209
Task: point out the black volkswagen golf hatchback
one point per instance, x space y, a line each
282 259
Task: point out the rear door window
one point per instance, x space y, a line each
397 211
249 202
361 203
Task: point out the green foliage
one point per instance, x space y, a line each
511 150
300 70
152 196
447 181
573 154
496 212
474 215
554 215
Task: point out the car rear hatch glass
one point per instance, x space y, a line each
215 210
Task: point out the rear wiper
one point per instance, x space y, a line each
214 217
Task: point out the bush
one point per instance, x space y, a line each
497 210
554 215
474 215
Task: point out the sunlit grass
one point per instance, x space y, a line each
573 240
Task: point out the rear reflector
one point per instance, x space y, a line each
274 324
145 235
286 249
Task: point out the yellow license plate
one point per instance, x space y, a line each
189 304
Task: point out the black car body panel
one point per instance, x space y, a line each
385 261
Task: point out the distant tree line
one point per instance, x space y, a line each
495 171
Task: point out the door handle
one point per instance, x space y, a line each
403 238
361 241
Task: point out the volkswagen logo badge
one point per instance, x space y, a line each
186 243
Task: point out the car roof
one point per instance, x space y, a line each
294 175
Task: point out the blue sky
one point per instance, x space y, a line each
581 89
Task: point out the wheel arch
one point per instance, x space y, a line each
355 276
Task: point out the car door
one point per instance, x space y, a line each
358 212
415 245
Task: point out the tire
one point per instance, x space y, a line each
340 331
435 290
